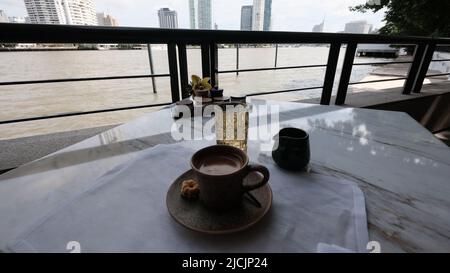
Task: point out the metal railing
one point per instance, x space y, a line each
178 39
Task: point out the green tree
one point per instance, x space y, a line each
412 17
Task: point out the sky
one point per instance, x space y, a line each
287 15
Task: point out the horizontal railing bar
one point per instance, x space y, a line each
437 75
84 79
271 68
440 60
283 91
384 80
84 113
41 33
375 63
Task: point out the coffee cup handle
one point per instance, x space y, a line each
260 169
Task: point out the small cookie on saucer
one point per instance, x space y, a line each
190 189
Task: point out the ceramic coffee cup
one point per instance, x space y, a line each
291 149
220 172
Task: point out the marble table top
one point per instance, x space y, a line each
401 167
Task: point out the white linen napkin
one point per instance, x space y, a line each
327 248
125 211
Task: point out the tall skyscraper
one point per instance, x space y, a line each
167 18
72 12
258 15
361 27
104 19
246 17
3 17
267 14
192 14
261 16
204 12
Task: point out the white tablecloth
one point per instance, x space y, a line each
125 211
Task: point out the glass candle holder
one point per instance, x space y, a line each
232 125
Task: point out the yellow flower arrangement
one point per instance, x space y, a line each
199 84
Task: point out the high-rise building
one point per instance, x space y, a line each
104 19
246 17
267 14
80 12
15 19
258 15
45 12
361 27
3 17
261 16
167 18
204 12
192 14
71 12
319 27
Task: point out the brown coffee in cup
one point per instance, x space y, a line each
220 164
220 171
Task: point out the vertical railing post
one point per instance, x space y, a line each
184 78
346 73
173 71
429 51
237 59
276 55
214 55
414 68
206 63
150 60
333 56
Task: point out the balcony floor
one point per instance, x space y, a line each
371 94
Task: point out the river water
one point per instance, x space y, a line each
20 101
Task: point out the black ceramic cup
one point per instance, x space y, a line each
291 149
216 93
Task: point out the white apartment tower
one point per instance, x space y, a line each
167 18
81 12
45 12
71 12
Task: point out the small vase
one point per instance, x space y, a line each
201 93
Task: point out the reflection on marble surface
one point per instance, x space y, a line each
401 167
